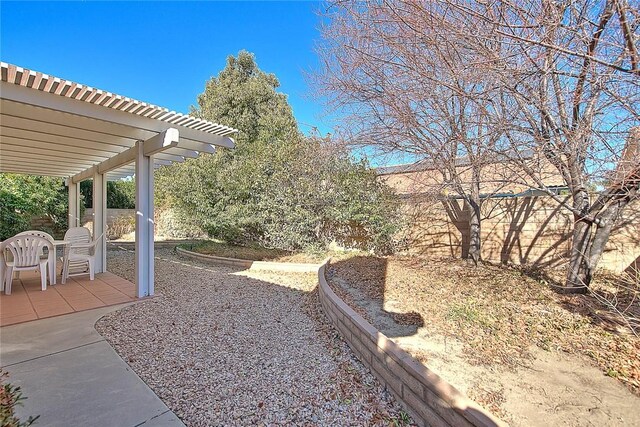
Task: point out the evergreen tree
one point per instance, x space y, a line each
277 188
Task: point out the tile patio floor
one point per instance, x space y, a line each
28 302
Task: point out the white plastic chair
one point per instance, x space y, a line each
27 256
51 254
3 266
80 256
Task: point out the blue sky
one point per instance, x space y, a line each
163 52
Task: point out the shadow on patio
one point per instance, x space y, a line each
28 302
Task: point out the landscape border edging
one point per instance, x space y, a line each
131 244
430 400
252 265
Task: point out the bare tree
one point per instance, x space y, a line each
403 84
573 69
540 81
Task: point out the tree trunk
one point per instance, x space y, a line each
580 273
474 232
588 244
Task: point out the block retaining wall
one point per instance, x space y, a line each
429 399
131 245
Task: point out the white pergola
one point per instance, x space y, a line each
55 127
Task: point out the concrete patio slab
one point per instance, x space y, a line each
28 302
72 377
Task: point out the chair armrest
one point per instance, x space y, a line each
91 245
82 245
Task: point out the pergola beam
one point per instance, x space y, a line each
39 153
38 130
189 154
117 161
164 140
39 124
27 144
8 158
35 171
170 157
84 175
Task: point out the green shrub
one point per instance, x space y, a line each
23 197
120 194
278 187
14 214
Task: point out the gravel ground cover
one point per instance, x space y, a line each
222 347
258 253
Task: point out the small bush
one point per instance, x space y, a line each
10 397
121 226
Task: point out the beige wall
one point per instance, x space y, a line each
520 230
523 230
494 178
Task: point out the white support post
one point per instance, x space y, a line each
144 222
151 224
100 220
74 204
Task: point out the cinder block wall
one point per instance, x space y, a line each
524 230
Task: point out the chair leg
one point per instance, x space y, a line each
43 277
91 270
65 270
52 269
8 279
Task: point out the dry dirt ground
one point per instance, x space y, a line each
503 337
223 347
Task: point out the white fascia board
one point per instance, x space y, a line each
51 101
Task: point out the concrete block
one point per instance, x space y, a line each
423 410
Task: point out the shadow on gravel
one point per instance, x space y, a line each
230 349
361 283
